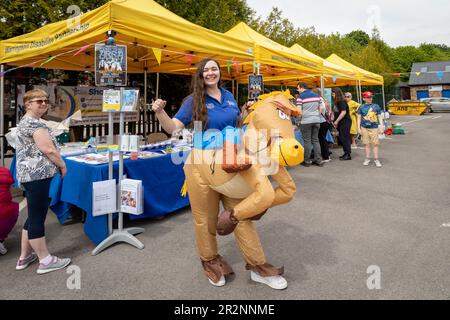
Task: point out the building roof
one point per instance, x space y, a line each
431 76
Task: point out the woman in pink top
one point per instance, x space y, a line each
9 210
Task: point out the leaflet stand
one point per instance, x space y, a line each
120 234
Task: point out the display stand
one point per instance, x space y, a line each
120 234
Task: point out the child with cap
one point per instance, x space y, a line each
370 123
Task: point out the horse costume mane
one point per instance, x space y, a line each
262 98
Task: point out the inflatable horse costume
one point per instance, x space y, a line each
267 146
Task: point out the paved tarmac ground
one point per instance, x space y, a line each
345 220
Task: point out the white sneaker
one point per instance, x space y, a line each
354 146
326 160
378 163
366 162
275 282
3 249
55 264
219 283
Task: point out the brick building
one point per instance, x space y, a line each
430 79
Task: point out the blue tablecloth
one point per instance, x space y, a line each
161 178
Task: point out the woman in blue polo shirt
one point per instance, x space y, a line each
209 103
216 108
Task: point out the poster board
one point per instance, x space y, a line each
110 65
130 99
131 196
327 95
255 86
111 100
104 197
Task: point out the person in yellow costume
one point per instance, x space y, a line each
353 107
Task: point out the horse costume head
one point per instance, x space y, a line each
270 127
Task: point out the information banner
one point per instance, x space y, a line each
65 100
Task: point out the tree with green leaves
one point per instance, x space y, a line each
18 17
217 15
276 27
359 36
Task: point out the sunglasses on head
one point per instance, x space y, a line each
40 101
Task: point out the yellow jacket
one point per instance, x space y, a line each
353 107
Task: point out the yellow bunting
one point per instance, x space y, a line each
157 52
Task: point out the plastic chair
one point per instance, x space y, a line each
156 137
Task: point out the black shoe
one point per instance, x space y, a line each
306 164
319 164
345 157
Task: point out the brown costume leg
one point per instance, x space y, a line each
246 237
205 209
249 244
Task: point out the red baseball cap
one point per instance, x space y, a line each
367 94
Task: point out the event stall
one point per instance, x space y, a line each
157 40
274 58
364 77
331 74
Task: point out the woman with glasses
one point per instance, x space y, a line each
38 160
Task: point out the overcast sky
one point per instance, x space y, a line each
401 22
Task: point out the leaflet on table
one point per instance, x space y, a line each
72 151
157 144
149 154
104 197
96 158
105 147
131 196
176 149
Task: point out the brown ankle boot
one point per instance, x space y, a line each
226 222
217 268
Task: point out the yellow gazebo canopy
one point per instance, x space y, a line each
275 59
334 75
367 78
145 27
